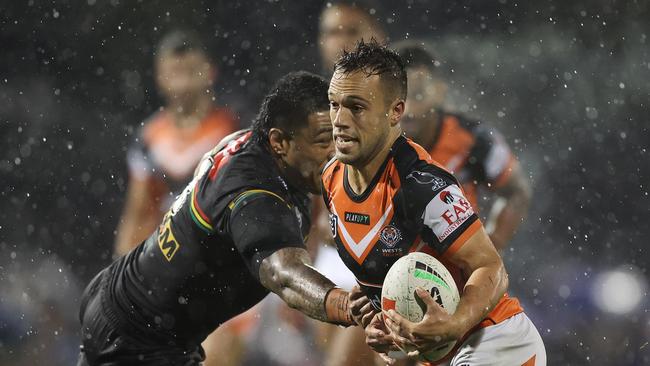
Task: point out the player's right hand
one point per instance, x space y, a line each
360 307
379 339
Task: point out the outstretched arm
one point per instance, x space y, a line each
289 274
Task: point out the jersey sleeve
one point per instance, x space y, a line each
261 223
445 216
491 159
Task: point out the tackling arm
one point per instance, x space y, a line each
289 274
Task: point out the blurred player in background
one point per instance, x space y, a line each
234 235
342 24
169 145
171 142
388 197
475 152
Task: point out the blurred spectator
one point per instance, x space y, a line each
171 142
343 23
169 145
477 154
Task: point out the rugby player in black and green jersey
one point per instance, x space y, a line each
235 234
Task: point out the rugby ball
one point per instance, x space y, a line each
398 293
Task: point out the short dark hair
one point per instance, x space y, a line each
417 55
179 42
373 58
289 103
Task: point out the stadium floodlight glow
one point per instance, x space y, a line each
619 291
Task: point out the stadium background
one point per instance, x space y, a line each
567 82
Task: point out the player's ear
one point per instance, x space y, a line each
396 111
279 141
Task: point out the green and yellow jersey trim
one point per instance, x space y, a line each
198 216
249 193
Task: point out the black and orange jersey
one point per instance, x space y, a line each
201 266
166 154
412 204
476 153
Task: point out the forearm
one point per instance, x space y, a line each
483 290
305 290
288 273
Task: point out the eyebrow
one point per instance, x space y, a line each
351 98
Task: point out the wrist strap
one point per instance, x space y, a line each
337 309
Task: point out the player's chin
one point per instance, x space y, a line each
346 157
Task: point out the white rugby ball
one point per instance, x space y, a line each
398 292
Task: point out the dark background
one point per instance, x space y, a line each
566 81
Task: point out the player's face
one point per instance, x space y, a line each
426 94
359 114
310 149
340 28
181 78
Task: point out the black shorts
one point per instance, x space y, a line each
104 344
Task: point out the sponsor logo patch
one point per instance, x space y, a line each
166 240
447 211
357 218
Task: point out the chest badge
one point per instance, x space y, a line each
390 236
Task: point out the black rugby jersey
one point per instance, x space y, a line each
200 267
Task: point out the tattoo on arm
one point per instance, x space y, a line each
289 274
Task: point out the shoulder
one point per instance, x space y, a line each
154 125
220 118
465 122
414 164
421 178
330 174
482 131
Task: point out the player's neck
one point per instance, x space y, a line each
360 175
188 116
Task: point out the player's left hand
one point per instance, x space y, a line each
360 307
435 328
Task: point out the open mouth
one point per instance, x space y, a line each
343 141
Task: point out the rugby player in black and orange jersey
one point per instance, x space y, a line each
475 152
171 142
387 197
234 235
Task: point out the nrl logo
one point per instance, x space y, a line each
427 178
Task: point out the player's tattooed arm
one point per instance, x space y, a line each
509 210
289 274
